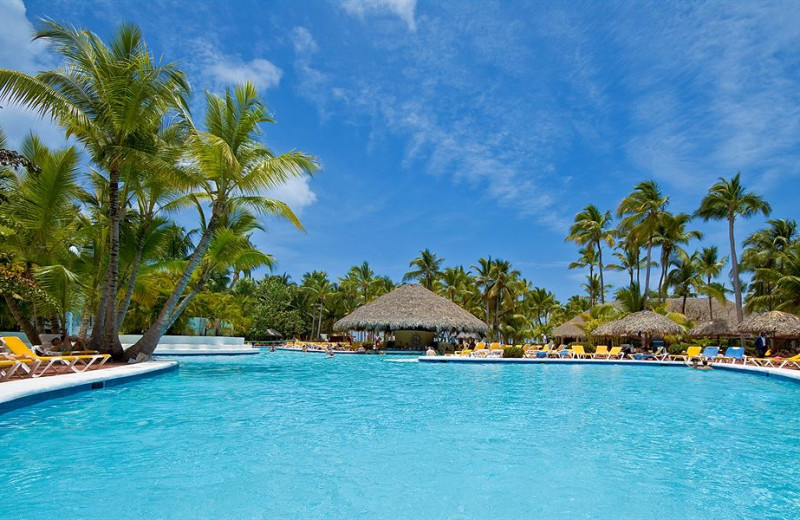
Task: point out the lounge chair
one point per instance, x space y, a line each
732 354
601 352
780 362
760 362
691 352
9 367
17 347
579 352
615 353
710 353
495 352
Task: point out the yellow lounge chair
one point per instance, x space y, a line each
691 352
601 352
614 353
579 352
17 347
779 362
9 367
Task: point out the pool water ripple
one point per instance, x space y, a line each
288 435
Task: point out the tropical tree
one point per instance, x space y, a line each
670 235
709 266
684 276
765 253
729 200
113 99
588 259
641 212
232 168
426 268
591 227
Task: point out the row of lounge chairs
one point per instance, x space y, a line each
710 354
26 362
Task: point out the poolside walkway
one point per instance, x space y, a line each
24 392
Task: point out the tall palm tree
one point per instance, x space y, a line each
728 199
113 99
426 268
642 211
710 265
592 227
454 283
484 278
503 278
670 235
317 286
684 276
588 259
233 168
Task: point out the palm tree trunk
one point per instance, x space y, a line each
647 272
683 305
182 306
24 324
737 286
591 284
662 279
602 283
710 306
84 323
319 327
149 340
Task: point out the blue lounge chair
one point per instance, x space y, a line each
733 354
710 353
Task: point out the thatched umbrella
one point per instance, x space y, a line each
776 324
411 307
571 329
715 328
646 323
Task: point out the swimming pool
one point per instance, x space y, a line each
287 435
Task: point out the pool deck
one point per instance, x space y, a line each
19 393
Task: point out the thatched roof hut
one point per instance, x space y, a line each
776 324
411 307
718 327
646 322
697 309
571 329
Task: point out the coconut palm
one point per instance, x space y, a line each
318 288
588 259
684 276
484 279
642 211
425 268
592 227
113 99
672 234
503 278
728 200
709 266
764 253
233 168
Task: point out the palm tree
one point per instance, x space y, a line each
592 227
233 167
764 253
317 286
454 283
484 278
642 211
113 99
671 234
588 259
425 268
728 199
685 275
362 279
503 277
709 265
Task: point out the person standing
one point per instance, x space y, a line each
761 345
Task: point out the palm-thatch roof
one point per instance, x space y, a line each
774 323
697 309
411 307
571 328
646 322
713 328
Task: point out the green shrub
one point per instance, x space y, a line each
513 352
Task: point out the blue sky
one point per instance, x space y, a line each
478 128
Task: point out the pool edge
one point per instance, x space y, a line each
27 392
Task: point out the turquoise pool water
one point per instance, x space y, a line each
289 435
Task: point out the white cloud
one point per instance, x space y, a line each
404 9
19 52
296 192
223 70
303 41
